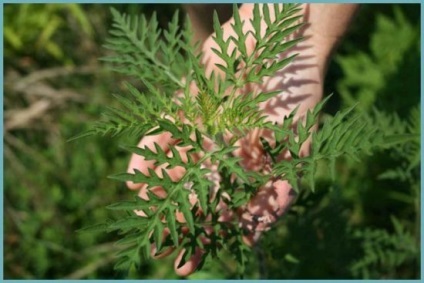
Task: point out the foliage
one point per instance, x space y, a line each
389 81
49 184
352 228
384 252
215 110
53 188
41 24
391 63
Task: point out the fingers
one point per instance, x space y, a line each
163 252
272 201
138 162
190 266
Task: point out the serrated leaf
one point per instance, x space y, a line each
188 216
171 221
401 138
238 29
129 239
128 223
240 198
101 227
266 15
158 235
137 204
123 264
256 23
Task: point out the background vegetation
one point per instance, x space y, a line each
366 225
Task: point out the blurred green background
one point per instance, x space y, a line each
364 225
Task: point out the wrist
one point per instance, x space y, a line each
326 24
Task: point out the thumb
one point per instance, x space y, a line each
211 59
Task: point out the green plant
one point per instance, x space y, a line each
384 251
386 76
39 25
378 75
209 115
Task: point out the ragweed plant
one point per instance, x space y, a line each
159 60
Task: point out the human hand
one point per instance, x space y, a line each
300 84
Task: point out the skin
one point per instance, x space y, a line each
301 84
